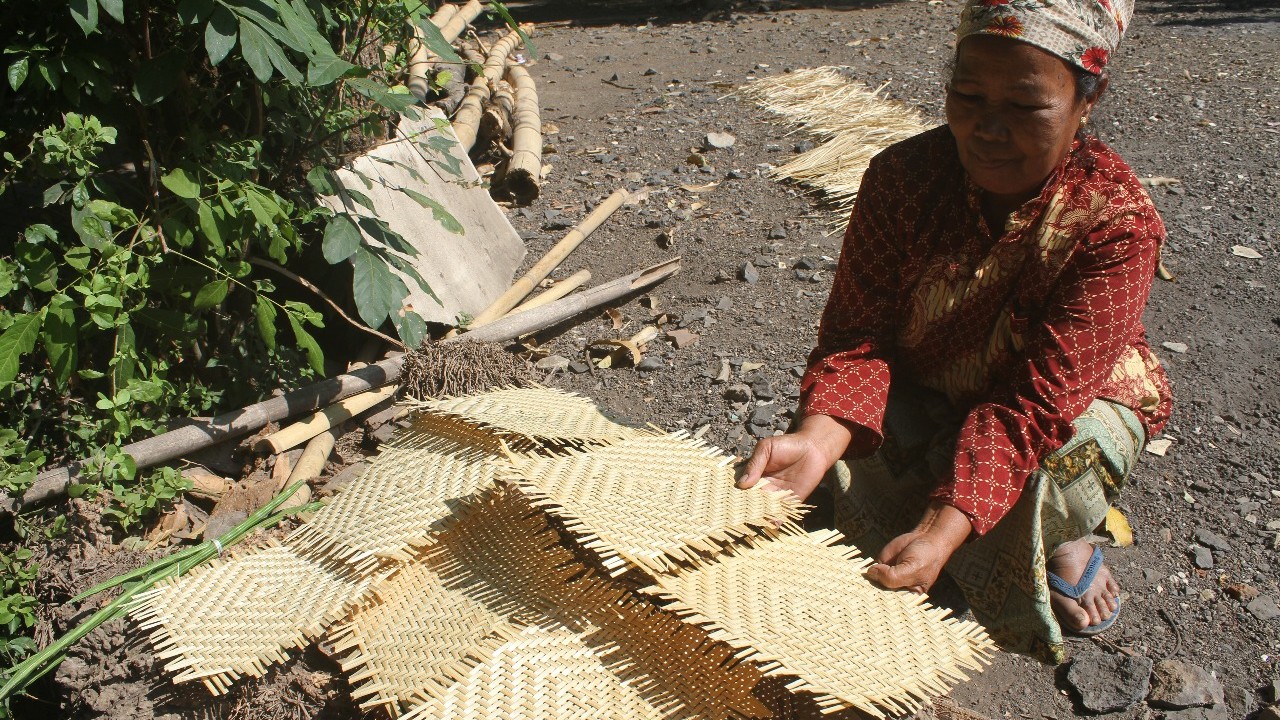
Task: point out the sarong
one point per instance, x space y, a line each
1001 574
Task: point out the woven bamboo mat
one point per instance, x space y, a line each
538 413
236 617
405 493
800 606
650 501
853 122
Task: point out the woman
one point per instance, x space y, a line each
982 382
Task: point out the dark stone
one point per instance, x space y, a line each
737 393
579 366
760 431
650 72
1263 607
1240 701
650 364
1211 541
763 415
1176 685
748 273
736 175
762 389
804 146
777 232
806 263
1110 683
1217 712
1201 557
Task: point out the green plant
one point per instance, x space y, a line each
17 606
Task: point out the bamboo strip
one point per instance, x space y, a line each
523 174
319 422
525 285
555 292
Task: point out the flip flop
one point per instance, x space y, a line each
1075 591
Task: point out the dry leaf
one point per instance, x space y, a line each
1245 252
1159 446
550 128
545 171
698 159
1118 528
615 317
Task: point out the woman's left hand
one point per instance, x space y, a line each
914 560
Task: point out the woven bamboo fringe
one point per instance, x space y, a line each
852 122
492 563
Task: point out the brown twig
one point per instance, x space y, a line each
1177 634
321 294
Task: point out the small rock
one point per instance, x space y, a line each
682 338
725 303
1177 347
650 72
1263 607
650 364
737 393
804 146
1274 690
760 431
763 415
1110 683
1240 701
762 389
1201 557
1166 535
554 57
736 175
1242 592
552 363
719 141
1217 712
806 263
1209 540
1176 685
615 78
579 366
777 232
748 273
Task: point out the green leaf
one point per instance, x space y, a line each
124 365
264 312
341 239
18 72
92 231
211 294
39 265
442 216
360 198
39 233
59 335
411 328
17 341
381 94
85 13
194 12
8 278
253 45
322 180
114 8
175 324
264 209
436 42
370 287
52 75
379 230
323 71
78 257
400 264
180 183
156 78
220 34
314 355
511 23
211 228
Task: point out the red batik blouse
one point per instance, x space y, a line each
1021 332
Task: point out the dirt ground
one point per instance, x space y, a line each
633 89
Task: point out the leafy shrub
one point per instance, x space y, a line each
160 168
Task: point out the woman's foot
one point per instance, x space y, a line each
1097 603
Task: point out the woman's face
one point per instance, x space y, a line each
1013 110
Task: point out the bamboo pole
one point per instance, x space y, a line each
460 19
330 417
496 120
495 64
525 285
523 175
420 56
555 292
466 122
174 444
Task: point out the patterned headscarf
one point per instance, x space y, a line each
1085 33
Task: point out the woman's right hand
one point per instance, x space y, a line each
798 460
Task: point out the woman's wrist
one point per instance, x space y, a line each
830 436
946 523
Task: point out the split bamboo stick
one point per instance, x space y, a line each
525 285
523 174
564 309
326 419
555 292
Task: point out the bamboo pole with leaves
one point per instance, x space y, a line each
135 582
